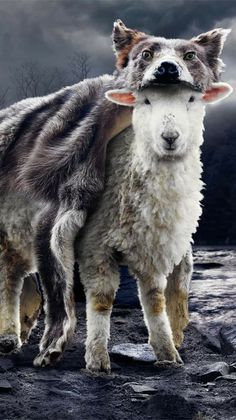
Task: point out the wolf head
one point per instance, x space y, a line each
146 60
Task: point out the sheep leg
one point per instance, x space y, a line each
57 282
152 298
101 283
13 268
177 297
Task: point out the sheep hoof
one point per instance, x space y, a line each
166 364
98 361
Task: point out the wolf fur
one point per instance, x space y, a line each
53 149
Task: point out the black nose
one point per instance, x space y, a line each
167 71
170 137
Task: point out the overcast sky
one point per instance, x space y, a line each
49 31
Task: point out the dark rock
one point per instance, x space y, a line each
5 364
210 341
228 338
164 405
207 265
136 352
5 386
115 366
209 373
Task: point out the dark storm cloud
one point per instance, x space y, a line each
49 31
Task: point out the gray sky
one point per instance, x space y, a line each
49 31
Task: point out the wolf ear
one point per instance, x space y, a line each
123 41
217 92
121 97
213 42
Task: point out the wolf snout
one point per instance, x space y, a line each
167 72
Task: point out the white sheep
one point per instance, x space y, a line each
146 216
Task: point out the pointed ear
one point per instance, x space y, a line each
121 97
213 42
217 92
123 41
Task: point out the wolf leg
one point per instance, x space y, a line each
57 283
177 297
13 269
101 280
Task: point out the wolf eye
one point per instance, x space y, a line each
190 55
191 99
147 102
147 55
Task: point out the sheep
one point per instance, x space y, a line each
146 216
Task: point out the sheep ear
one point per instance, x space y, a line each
213 42
217 92
121 97
123 41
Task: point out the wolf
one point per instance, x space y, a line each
52 155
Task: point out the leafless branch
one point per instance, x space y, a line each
3 97
80 66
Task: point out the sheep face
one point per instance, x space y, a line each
168 121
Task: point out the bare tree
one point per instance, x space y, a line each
30 79
26 79
53 79
3 97
80 66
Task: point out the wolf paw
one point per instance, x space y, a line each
49 357
9 343
53 343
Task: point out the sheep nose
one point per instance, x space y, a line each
170 138
167 70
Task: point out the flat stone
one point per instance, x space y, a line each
137 352
209 373
142 388
233 367
230 378
228 338
5 386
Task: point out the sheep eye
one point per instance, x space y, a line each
147 55
191 99
147 102
190 55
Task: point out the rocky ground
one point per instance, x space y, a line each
203 389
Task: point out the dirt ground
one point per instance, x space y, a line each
138 390
134 390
